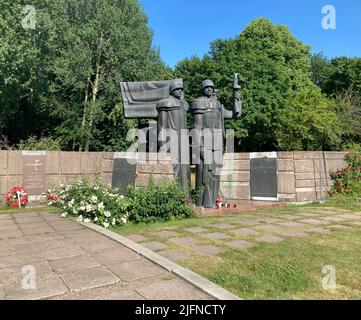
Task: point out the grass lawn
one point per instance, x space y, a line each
290 269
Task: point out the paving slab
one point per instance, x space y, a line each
348 216
154 245
292 224
184 240
46 287
46 214
9 230
39 230
13 242
5 217
332 218
319 230
338 226
91 246
289 216
174 255
65 225
53 218
135 270
15 274
175 289
293 234
244 231
113 292
24 258
53 244
11 234
207 250
269 220
137 237
215 235
326 211
269 227
239 244
29 220
89 278
115 256
195 229
356 223
314 221
222 226
309 214
45 237
71 264
269 238
76 233
59 253
95 237
24 215
248 222
23 248
9 226
165 234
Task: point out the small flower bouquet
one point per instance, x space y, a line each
51 198
219 202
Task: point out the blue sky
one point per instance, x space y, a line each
183 28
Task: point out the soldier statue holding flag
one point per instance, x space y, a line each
164 101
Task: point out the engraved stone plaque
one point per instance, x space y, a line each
34 172
123 174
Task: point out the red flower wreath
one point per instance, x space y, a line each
15 196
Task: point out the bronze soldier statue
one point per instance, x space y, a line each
173 132
209 115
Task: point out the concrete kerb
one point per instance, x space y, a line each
201 283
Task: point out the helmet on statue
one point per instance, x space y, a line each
176 84
207 83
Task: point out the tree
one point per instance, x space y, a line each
320 70
21 72
340 79
336 75
67 70
349 112
102 43
306 127
273 67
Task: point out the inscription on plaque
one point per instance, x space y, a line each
34 172
123 174
264 178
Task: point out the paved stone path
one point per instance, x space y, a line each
244 232
73 262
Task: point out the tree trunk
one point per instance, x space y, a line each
83 123
95 88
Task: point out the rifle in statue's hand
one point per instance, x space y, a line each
237 103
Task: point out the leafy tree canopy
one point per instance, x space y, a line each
274 70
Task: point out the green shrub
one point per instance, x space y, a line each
46 143
93 202
158 203
347 181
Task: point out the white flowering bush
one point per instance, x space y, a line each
93 202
